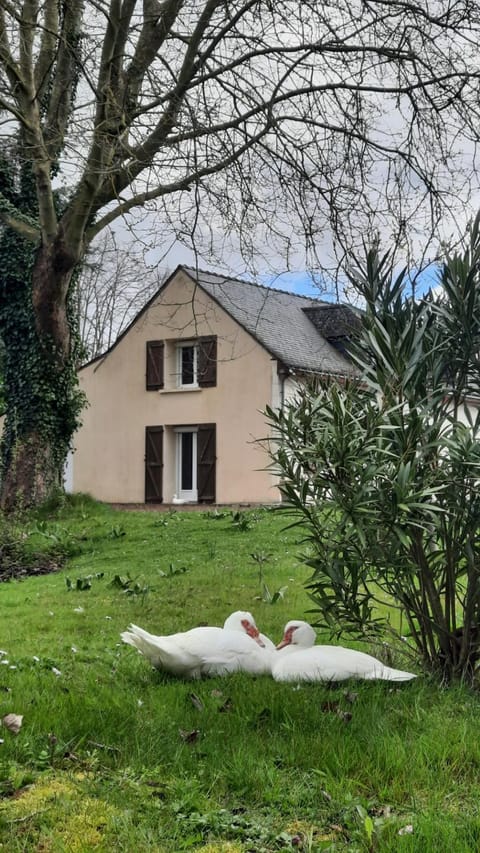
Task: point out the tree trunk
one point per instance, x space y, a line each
51 276
460 663
32 475
41 387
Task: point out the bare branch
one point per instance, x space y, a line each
48 48
158 22
10 65
62 76
17 221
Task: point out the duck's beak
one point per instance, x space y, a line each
286 639
253 632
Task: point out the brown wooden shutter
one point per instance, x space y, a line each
154 464
206 462
207 362
155 351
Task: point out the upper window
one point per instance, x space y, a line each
197 363
187 364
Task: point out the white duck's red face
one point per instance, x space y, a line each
297 633
252 632
242 620
287 637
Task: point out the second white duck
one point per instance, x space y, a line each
301 660
237 647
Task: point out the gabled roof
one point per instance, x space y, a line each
284 323
279 320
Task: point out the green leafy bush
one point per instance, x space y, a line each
383 471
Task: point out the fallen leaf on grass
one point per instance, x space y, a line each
335 708
406 830
350 696
381 811
196 701
13 722
329 706
336 827
346 716
97 745
189 737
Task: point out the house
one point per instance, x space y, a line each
175 405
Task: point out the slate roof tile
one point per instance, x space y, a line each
279 320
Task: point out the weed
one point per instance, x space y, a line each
117 531
243 521
130 586
260 558
165 518
216 514
172 571
83 583
272 598
211 547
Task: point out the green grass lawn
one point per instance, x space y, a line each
114 756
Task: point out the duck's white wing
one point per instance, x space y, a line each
180 654
306 665
362 665
332 663
236 652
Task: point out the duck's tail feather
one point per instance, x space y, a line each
390 674
146 643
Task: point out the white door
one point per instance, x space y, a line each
187 463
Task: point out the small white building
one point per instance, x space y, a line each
175 405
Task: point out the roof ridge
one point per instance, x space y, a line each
199 270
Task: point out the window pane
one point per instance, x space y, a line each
188 365
187 460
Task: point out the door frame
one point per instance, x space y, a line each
190 495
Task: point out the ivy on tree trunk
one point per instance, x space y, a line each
41 392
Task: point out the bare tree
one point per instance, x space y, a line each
113 286
249 110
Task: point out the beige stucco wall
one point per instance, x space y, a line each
110 446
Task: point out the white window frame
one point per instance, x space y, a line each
180 347
186 494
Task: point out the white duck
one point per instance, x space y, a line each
237 647
301 660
